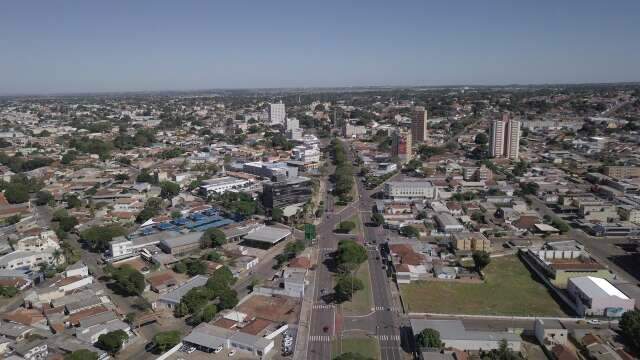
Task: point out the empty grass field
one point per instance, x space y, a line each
366 346
510 289
361 301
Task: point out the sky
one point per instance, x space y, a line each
56 46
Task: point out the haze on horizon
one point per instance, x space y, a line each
80 46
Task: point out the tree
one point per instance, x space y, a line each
112 341
98 237
128 280
82 354
481 259
196 267
228 298
346 226
165 340
429 338
72 201
351 252
346 286
481 139
377 219
560 225
214 237
276 214
16 193
529 188
121 177
208 313
409 231
630 327
43 198
180 267
169 189
222 276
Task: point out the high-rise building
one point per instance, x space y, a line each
277 113
505 138
419 125
401 145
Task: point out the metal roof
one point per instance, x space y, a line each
597 287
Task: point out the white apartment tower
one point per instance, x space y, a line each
505 138
277 113
419 125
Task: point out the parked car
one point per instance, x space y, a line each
232 352
218 349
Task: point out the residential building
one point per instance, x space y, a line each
401 145
598 297
277 113
350 131
30 260
172 298
622 172
419 125
505 138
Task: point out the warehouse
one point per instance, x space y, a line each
206 337
181 244
598 297
454 334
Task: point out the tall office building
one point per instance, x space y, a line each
419 125
277 113
401 145
505 138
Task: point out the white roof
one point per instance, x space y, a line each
594 287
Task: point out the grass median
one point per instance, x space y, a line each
361 301
365 346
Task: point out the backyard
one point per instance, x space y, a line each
509 289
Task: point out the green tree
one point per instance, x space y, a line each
16 193
481 259
82 354
630 328
409 231
350 252
222 276
228 298
98 237
276 214
169 189
529 188
429 338
128 280
43 198
481 139
112 342
165 340
377 219
346 226
208 312
214 237
346 286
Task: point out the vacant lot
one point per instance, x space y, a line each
365 346
272 308
509 289
361 301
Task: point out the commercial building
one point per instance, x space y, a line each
505 138
401 145
223 184
287 192
454 334
121 247
447 223
182 244
410 190
172 298
277 113
270 170
206 337
419 125
29 260
306 154
598 297
349 130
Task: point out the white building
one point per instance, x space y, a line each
223 184
306 154
277 113
410 190
30 259
46 239
505 138
598 297
454 334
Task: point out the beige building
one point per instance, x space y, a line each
505 138
622 172
401 145
419 125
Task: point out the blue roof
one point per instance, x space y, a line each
215 224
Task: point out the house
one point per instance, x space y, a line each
172 298
550 332
206 337
77 269
161 283
33 350
14 331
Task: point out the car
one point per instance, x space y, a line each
190 350
218 349
377 257
232 352
325 329
593 322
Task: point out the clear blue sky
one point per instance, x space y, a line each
53 46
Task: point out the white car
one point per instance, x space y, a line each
593 322
218 349
190 350
232 352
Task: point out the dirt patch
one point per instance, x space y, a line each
272 308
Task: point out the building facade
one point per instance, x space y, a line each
288 192
277 113
401 145
505 138
419 125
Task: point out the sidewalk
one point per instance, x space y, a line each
300 351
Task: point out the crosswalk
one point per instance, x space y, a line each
322 306
320 338
382 308
327 249
388 337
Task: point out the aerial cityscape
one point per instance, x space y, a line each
280 194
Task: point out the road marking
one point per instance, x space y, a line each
320 338
388 337
382 308
322 306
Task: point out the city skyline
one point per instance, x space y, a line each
195 45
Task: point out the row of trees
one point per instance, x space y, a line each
343 176
349 256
